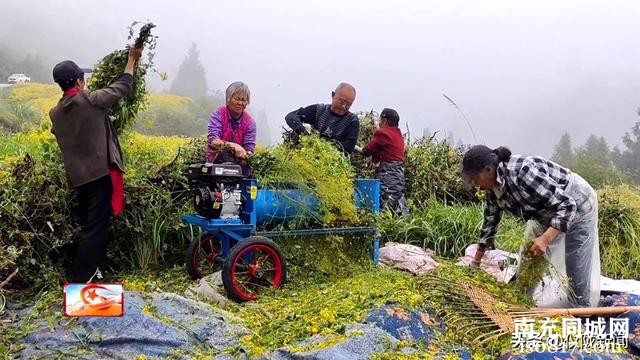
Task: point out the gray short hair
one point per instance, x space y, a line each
235 88
345 85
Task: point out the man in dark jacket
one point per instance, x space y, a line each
92 157
334 122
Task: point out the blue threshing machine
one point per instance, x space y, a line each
230 208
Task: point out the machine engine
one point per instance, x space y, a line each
216 189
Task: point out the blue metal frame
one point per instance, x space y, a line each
231 231
331 231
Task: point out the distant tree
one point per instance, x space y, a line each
6 64
191 78
594 163
263 129
450 139
428 134
617 159
563 153
204 106
629 159
33 66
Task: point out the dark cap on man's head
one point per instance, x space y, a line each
390 116
67 71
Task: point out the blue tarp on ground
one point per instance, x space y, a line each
634 334
178 326
634 317
423 326
405 325
411 326
158 325
363 342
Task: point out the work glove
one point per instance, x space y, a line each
306 129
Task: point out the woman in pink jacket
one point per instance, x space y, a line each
232 131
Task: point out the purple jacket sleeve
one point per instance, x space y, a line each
249 143
215 127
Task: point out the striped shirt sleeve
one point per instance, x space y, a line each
492 216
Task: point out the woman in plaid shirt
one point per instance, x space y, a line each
535 189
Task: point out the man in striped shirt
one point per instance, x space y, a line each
334 122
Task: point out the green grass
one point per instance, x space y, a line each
9 146
448 229
619 231
16 115
18 145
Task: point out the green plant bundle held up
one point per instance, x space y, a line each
363 165
532 269
110 68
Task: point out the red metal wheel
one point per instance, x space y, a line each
204 256
254 265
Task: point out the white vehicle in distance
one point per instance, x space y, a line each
18 78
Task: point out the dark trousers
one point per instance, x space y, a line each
392 187
94 212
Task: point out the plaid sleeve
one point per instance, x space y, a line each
492 216
543 192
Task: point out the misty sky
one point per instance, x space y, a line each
522 71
